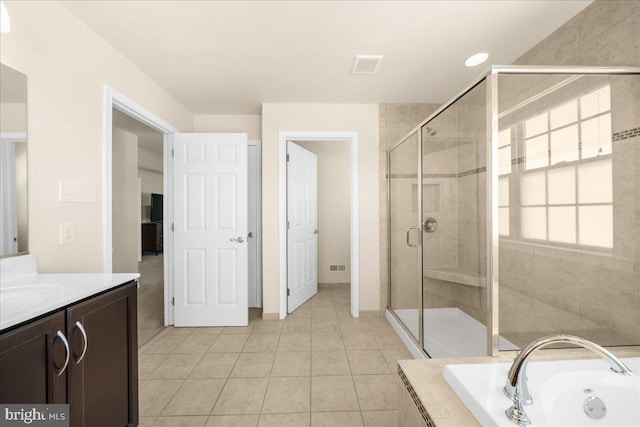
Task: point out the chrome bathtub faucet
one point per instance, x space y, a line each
516 386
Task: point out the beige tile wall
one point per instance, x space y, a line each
549 290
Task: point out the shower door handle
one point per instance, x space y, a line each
408 240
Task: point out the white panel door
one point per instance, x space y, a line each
302 216
210 229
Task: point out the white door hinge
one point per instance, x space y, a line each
173 300
288 292
288 158
172 226
173 152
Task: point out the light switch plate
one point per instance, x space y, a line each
77 192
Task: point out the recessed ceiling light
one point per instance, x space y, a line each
476 59
366 64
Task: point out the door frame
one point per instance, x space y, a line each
258 144
114 99
352 139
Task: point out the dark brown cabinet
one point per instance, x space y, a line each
100 382
31 357
152 237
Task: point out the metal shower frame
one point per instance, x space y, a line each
492 115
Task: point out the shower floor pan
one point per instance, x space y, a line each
450 332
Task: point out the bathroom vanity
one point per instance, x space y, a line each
70 338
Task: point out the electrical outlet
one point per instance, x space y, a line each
67 233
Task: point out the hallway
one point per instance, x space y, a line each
318 367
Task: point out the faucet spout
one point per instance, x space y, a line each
520 362
516 386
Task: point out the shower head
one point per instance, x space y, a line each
430 131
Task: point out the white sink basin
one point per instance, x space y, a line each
22 299
559 390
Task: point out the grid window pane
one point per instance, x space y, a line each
564 145
536 125
504 160
503 191
596 136
504 138
595 226
533 189
564 114
589 104
562 186
537 152
595 102
604 99
595 182
533 223
503 221
562 224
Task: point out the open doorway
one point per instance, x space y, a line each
351 140
137 215
333 210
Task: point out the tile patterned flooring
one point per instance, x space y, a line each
319 367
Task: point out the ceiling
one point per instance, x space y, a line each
228 57
148 138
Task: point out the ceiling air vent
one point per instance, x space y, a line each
366 64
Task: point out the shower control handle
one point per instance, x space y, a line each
408 240
430 225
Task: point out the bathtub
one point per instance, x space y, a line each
559 390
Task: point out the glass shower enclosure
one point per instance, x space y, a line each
514 213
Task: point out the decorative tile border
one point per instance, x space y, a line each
440 175
425 415
517 161
618 136
472 172
625 134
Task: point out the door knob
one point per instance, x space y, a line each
316 231
250 234
238 239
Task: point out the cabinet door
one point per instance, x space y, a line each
31 357
103 371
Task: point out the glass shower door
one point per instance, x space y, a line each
404 235
454 240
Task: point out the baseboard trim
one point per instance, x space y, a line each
334 286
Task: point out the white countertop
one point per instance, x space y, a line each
26 296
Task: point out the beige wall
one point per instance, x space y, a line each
251 124
334 208
125 202
67 66
13 117
361 118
